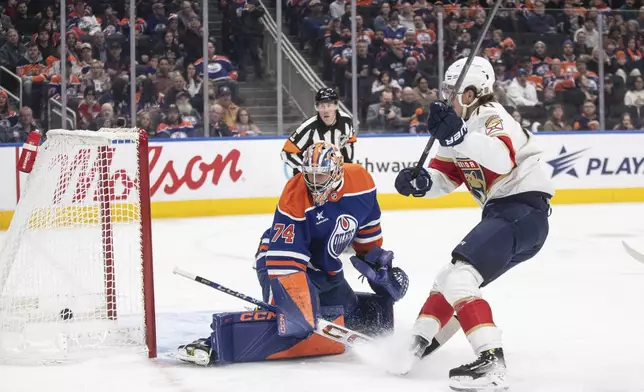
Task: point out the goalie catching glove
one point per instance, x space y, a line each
385 280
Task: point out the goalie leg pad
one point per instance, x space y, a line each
374 314
297 302
253 337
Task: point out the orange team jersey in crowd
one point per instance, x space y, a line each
53 65
540 66
185 129
306 236
37 71
425 37
558 82
140 23
569 67
588 74
537 80
493 54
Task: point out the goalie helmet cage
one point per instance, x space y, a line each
76 276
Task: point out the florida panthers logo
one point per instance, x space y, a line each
474 178
342 235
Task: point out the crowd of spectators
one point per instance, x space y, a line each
169 66
546 55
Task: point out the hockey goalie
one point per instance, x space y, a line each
322 210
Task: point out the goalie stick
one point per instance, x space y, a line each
325 328
457 86
633 253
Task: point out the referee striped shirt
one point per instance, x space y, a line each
313 130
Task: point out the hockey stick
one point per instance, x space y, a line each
633 253
457 86
335 332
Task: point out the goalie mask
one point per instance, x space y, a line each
323 171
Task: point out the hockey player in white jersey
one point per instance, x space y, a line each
483 147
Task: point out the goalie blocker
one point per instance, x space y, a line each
322 211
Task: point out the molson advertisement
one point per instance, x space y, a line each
202 177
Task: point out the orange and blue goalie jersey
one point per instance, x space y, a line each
306 236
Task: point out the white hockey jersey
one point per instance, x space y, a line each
497 158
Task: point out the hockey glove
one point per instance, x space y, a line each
298 304
384 279
446 126
407 185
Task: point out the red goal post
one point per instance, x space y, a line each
76 271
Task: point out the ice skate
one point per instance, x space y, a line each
486 374
198 352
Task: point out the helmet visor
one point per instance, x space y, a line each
447 91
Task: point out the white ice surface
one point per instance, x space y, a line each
572 317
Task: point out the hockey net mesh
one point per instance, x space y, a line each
71 275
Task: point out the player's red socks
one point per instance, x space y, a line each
474 313
434 314
475 316
437 307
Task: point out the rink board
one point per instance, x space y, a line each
228 176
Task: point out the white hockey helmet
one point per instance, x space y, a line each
480 77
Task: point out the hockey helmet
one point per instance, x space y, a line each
322 169
326 94
479 77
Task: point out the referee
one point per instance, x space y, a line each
329 124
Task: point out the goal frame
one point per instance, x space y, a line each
105 195
105 198
146 244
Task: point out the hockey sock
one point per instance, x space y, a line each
475 316
434 314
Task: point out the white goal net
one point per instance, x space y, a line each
76 265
